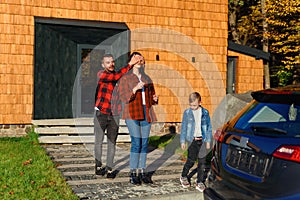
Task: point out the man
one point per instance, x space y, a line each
107 112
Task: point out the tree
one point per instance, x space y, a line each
245 22
273 26
234 7
284 30
247 26
284 33
265 43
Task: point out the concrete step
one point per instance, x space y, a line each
69 122
66 139
76 164
67 130
72 131
116 180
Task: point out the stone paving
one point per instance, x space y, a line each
76 163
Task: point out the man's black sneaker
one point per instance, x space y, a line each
110 174
100 170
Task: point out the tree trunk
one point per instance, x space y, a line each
232 23
265 45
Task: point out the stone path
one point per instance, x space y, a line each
76 163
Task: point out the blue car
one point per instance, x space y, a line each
257 153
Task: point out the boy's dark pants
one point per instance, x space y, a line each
193 152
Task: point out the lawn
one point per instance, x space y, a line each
26 172
169 142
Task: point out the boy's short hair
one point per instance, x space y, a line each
194 96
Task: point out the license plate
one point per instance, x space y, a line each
257 164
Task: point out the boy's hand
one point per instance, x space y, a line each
183 146
207 145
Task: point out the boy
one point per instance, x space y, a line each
196 129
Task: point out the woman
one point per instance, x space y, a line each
138 95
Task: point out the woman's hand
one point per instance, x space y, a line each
139 86
155 98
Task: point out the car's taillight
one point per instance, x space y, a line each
218 135
288 152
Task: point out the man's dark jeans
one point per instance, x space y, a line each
109 123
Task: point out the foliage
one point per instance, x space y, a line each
282 32
245 22
28 173
250 27
282 76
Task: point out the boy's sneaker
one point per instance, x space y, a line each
185 182
200 186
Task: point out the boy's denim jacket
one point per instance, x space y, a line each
188 126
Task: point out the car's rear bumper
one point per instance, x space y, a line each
218 189
210 194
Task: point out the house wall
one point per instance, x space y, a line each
249 73
189 37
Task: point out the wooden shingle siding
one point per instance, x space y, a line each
202 36
249 73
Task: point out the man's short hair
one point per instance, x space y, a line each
107 55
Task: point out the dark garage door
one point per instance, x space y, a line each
61 47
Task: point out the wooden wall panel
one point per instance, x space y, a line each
202 34
249 73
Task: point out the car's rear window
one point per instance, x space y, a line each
270 118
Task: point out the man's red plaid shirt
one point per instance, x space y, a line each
107 100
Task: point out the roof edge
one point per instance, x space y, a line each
258 54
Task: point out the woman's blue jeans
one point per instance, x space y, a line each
139 133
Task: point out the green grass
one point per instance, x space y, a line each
170 143
161 141
27 172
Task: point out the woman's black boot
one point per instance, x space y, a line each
145 177
134 179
